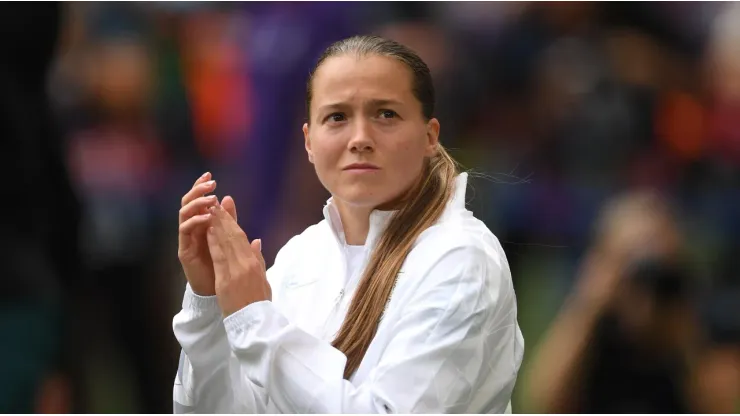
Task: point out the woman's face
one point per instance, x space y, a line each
367 137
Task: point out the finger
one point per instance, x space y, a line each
257 250
218 255
197 206
233 239
193 223
256 245
220 236
217 225
204 177
198 190
229 206
233 229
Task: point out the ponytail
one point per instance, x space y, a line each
426 203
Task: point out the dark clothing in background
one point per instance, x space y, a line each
38 252
623 378
40 211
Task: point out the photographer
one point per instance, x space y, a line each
625 341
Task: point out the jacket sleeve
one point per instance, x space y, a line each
445 339
209 378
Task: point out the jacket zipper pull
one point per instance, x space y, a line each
339 297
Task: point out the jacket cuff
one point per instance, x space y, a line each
200 304
247 317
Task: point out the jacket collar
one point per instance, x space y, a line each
380 219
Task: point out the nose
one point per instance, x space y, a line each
362 139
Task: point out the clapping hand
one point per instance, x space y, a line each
194 220
240 276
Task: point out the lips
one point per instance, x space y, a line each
361 166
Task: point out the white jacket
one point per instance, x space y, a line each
449 341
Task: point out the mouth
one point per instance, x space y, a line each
361 167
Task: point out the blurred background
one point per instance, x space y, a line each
604 137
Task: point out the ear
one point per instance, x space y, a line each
432 137
307 140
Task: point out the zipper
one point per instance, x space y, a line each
337 300
369 245
340 296
332 313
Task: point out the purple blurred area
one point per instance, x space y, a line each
557 107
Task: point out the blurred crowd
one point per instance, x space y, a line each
604 139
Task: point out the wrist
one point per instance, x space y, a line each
229 310
199 291
202 291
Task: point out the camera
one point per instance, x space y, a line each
665 280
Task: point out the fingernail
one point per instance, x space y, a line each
259 244
211 197
204 175
210 230
210 183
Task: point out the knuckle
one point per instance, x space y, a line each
234 235
252 264
244 266
243 274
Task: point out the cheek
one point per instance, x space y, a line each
325 148
326 153
408 156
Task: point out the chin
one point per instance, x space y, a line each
364 200
361 196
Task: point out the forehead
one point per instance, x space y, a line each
348 77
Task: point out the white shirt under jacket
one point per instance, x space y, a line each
449 341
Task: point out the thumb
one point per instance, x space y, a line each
229 206
256 245
257 249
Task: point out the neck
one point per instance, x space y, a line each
356 219
355 222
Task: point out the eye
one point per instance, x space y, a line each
387 114
335 118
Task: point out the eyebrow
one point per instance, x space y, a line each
372 103
380 103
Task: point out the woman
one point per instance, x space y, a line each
399 301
